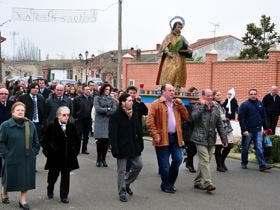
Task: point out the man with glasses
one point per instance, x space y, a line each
252 119
5 110
56 100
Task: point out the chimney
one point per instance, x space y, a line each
158 47
132 51
138 54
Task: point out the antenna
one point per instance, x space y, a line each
215 25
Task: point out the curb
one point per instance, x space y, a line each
275 165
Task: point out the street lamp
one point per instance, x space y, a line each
2 40
86 61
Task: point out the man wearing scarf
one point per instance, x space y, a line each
126 138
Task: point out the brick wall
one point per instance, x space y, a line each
221 75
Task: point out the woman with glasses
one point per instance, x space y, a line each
61 146
105 106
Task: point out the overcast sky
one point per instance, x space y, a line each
145 23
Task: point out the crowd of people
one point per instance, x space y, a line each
60 118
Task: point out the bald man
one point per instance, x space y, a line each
207 119
271 103
164 121
56 100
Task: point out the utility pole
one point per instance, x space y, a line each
14 34
119 69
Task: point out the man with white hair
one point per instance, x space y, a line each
56 100
271 103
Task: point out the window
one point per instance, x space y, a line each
131 82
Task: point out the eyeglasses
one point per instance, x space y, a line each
4 94
64 115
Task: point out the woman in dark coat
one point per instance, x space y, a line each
61 146
104 106
126 138
18 147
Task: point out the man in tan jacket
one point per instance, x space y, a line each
164 122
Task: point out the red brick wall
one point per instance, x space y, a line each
222 75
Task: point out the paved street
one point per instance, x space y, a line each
95 188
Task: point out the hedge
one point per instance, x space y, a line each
275 153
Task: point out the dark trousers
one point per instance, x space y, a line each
83 129
38 127
169 172
222 153
102 148
272 122
191 152
64 181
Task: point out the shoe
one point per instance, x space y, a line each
128 190
85 152
123 198
265 167
98 163
244 166
50 195
64 200
173 188
224 166
191 168
23 206
104 163
220 169
166 190
210 188
199 186
5 200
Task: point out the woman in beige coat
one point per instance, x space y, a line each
221 153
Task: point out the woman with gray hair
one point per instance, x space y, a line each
61 146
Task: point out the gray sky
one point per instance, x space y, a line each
145 23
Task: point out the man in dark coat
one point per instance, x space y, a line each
44 90
61 147
82 106
5 110
56 100
35 107
126 138
271 103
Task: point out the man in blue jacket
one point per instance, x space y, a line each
252 119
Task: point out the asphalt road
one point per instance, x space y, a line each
95 188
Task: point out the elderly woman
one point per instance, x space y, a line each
18 147
61 146
104 106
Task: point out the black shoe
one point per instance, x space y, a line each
5 200
23 206
166 190
98 163
265 167
243 166
220 169
224 166
173 188
85 152
104 163
123 198
50 195
64 200
191 169
128 190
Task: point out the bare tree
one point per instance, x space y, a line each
27 51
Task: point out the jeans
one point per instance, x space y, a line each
257 139
169 172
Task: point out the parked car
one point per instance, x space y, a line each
66 81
